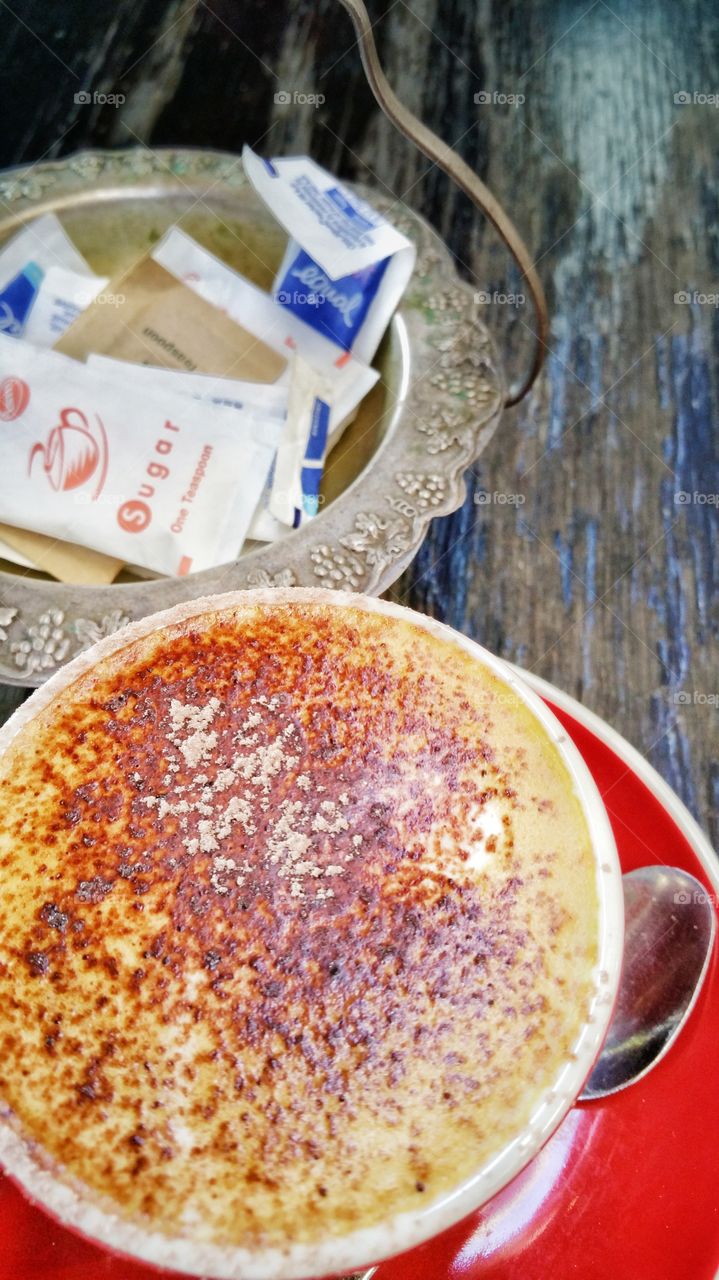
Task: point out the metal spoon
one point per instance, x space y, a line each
668 939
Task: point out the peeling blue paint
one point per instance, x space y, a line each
558 361
671 751
694 455
590 597
661 365
565 554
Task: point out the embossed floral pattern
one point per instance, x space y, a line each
6 617
378 539
88 631
337 568
45 644
261 578
424 490
446 429
26 186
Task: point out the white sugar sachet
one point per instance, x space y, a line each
345 267
150 477
295 489
63 295
267 398
236 393
44 283
255 310
341 231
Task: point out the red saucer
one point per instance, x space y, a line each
627 1189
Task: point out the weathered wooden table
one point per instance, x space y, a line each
587 547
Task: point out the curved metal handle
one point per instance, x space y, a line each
455 167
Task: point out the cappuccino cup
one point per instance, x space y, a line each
310 933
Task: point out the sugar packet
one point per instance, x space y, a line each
297 476
158 321
345 267
150 477
62 297
265 398
236 393
292 489
350 378
155 318
45 282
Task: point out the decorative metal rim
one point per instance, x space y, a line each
447 403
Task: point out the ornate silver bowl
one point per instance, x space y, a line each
401 462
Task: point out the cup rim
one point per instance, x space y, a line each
64 1199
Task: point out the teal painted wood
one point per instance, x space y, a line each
587 547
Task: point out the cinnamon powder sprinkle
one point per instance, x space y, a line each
216 805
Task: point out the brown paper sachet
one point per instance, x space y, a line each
155 319
147 316
65 561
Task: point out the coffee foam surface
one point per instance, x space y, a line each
298 923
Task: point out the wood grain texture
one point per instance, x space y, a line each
574 554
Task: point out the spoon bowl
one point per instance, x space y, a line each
669 934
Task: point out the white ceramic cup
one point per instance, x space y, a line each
336 1256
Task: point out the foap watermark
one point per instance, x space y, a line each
298 98
685 98
682 498
483 298
87 98
695 297
685 898
285 495
695 698
296 298
495 98
498 498
83 298
109 299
